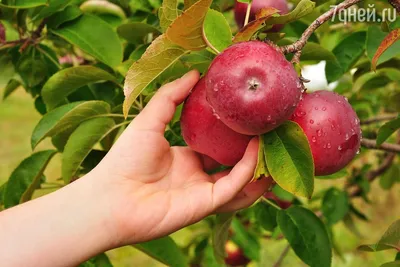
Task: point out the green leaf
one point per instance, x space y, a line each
68 14
261 169
67 118
220 234
81 142
26 178
10 88
289 159
347 53
246 241
135 32
7 69
390 177
337 175
94 36
167 13
380 75
52 7
266 215
66 81
335 205
99 7
217 31
187 30
391 264
20 4
387 130
314 51
307 236
164 250
389 240
303 8
159 56
99 261
375 37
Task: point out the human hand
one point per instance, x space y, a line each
153 189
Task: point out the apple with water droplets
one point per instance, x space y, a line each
252 87
204 132
332 128
256 6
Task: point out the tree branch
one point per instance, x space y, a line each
299 44
384 117
371 144
282 256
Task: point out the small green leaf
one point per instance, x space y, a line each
266 215
68 14
66 118
220 234
159 56
167 13
81 142
94 36
246 241
187 30
307 236
66 81
21 4
347 53
390 177
217 31
164 250
135 32
52 7
99 7
335 205
10 88
387 130
26 178
389 240
303 8
289 159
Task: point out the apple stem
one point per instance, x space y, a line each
246 21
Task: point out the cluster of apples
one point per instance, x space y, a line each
251 89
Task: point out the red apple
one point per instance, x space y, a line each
332 128
257 5
234 255
252 87
204 132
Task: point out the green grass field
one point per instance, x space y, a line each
18 118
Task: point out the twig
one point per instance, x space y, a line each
395 4
373 174
282 256
297 46
385 117
246 20
371 144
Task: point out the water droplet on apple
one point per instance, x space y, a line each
357 121
300 114
324 108
358 152
311 121
319 133
316 95
316 108
347 137
346 99
329 145
314 139
340 148
325 146
333 127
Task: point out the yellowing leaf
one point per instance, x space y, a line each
167 13
161 54
187 30
261 169
392 38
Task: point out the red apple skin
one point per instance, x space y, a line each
206 134
234 255
332 128
252 87
257 5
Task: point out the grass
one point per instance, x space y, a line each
18 118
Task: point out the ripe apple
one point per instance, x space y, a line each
252 87
235 256
204 132
332 128
241 9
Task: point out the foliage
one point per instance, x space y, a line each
91 66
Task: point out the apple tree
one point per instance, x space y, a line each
92 66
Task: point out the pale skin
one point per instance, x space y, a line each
142 190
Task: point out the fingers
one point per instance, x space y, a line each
226 188
250 194
161 108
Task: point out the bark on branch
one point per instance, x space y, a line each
371 144
385 117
